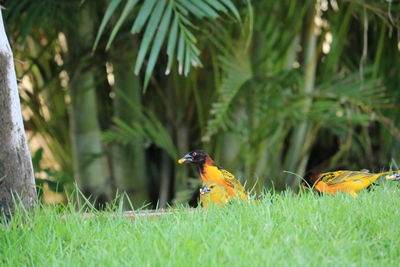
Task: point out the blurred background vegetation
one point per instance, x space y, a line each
114 91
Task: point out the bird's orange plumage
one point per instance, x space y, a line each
209 171
344 181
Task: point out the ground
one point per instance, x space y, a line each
279 230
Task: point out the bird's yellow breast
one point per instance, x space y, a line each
351 187
216 197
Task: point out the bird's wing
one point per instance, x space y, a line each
338 177
231 180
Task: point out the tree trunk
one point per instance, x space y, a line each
298 153
165 181
17 181
129 162
90 165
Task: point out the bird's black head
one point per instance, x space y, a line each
309 180
197 157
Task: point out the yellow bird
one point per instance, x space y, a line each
212 193
209 171
344 181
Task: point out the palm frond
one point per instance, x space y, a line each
26 15
237 70
174 17
146 126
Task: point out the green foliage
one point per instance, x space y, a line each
26 16
44 96
280 229
237 71
57 180
248 99
174 17
146 126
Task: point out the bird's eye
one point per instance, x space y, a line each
212 186
194 154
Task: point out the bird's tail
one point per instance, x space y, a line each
390 175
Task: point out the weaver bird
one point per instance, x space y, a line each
212 193
209 171
344 181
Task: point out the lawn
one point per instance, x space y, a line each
280 230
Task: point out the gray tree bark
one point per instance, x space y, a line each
17 183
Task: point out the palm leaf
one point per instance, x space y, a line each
177 19
107 16
237 69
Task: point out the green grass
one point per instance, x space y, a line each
280 230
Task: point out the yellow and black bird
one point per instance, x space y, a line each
209 171
212 193
345 181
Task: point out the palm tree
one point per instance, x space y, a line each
278 58
75 144
90 162
17 182
264 86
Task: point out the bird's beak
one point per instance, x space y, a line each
185 159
